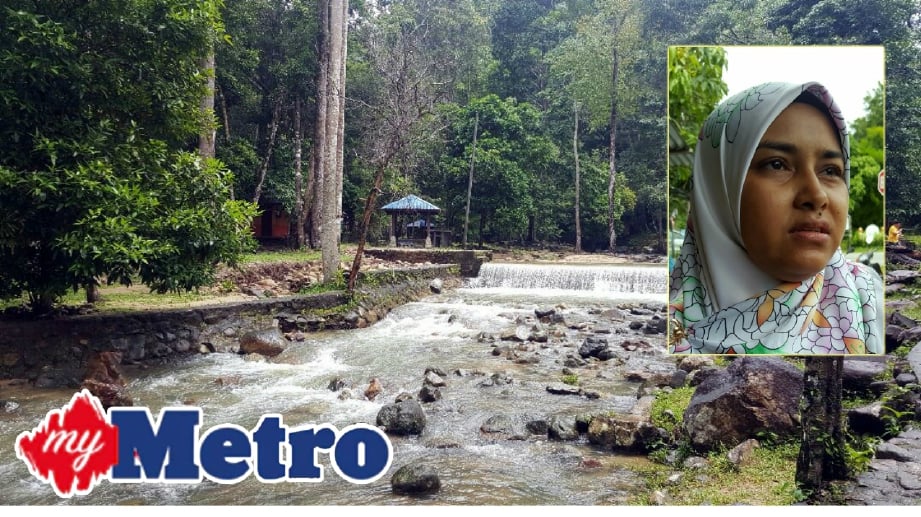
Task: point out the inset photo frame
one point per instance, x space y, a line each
777 214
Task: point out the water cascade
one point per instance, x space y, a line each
610 278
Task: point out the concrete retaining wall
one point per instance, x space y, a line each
54 352
469 260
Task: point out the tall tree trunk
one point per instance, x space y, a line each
365 223
226 117
482 227
822 453
264 166
612 160
575 153
340 136
310 199
208 130
298 219
532 225
476 126
331 221
318 165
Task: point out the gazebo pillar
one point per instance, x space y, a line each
428 233
393 224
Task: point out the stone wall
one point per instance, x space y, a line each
469 260
54 352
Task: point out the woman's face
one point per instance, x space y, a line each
794 199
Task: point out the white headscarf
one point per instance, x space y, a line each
714 271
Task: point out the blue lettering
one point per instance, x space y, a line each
304 445
220 444
268 437
362 454
168 449
175 435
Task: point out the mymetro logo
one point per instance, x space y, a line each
75 448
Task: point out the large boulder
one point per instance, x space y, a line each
105 368
268 342
859 373
415 479
751 396
593 347
633 431
104 379
562 428
402 417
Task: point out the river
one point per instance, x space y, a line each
450 331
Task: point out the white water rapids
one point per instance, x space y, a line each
441 331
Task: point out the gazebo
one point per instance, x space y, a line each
415 206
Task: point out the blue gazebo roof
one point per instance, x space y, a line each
411 204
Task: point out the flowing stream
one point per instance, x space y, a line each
449 331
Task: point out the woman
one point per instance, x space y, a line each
760 270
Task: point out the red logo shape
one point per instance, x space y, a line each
73 448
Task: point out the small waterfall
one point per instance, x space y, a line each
599 278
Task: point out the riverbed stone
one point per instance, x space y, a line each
694 362
434 380
630 431
904 379
573 361
592 346
858 373
563 389
537 426
744 453
751 396
544 312
267 342
501 424
868 419
562 428
415 479
519 333
697 377
496 379
889 451
655 325
405 417
429 394
109 394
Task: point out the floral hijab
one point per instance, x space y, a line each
712 311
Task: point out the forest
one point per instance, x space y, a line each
142 137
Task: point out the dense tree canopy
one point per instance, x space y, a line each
867 159
99 107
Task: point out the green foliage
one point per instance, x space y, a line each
669 407
95 181
572 379
514 164
767 480
337 284
867 159
695 87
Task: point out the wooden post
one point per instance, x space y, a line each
393 224
428 233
